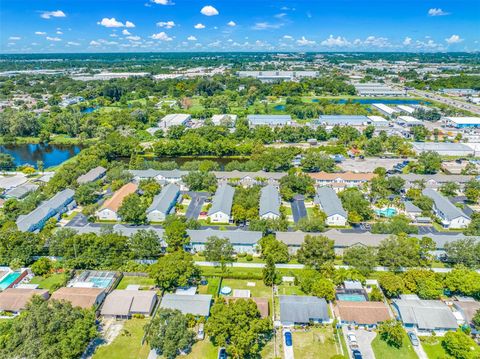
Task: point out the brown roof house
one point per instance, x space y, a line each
362 313
262 304
125 303
85 298
109 209
15 299
467 307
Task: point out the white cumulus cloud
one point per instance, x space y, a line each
129 24
162 36
454 39
125 32
199 26
304 42
232 23
335 41
50 14
287 37
407 41
162 2
115 23
14 38
94 43
41 33
53 38
191 38
166 24
266 26
133 38
72 43
209 11
437 12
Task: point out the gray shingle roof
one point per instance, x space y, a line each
411 208
439 178
21 191
329 202
222 201
45 209
426 314
269 200
92 175
302 309
241 174
198 304
127 302
150 173
443 205
234 236
162 202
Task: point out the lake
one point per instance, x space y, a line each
51 155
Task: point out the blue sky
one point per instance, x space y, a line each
234 25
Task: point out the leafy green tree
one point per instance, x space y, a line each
169 333
399 251
219 250
316 251
459 345
472 190
429 162
269 272
145 244
463 281
323 288
174 270
464 251
271 247
86 194
355 203
42 266
7 162
395 225
175 233
391 332
237 326
392 284
312 223
375 295
476 319
296 184
133 209
37 325
424 283
315 162
200 181
361 258
149 187
450 189
473 228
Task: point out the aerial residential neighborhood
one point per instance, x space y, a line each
239 180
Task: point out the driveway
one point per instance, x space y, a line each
78 221
298 208
287 351
195 206
364 340
419 350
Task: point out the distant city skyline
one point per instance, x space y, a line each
32 26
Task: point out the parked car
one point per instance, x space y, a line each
288 339
356 354
200 333
222 353
352 340
414 339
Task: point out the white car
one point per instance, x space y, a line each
352 340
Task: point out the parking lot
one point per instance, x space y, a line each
298 208
369 164
195 206
364 341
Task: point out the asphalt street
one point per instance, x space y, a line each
195 206
298 208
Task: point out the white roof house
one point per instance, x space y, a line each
174 119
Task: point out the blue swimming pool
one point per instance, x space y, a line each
386 212
9 279
100 282
351 297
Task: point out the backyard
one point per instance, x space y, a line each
141 281
51 282
316 342
127 344
383 350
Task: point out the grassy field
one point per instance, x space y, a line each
142 281
382 350
316 343
259 290
212 287
51 282
289 289
127 344
203 349
433 348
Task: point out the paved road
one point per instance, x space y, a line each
298 208
364 340
195 206
447 100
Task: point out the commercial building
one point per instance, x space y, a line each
444 148
425 315
361 313
386 110
329 203
378 121
53 208
85 298
463 122
450 215
269 120
198 304
93 175
296 309
406 109
377 89
269 202
242 241
109 209
163 203
408 121
127 302
276 76
342 120
15 300
222 204
225 120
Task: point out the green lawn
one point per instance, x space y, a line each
289 289
212 287
127 344
52 282
382 350
260 289
203 349
433 348
142 281
317 343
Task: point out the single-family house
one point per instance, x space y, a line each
222 204
269 202
329 203
361 313
467 307
163 203
297 309
93 175
197 304
15 300
21 191
412 211
53 208
123 303
83 297
425 315
450 215
109 210
242 241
